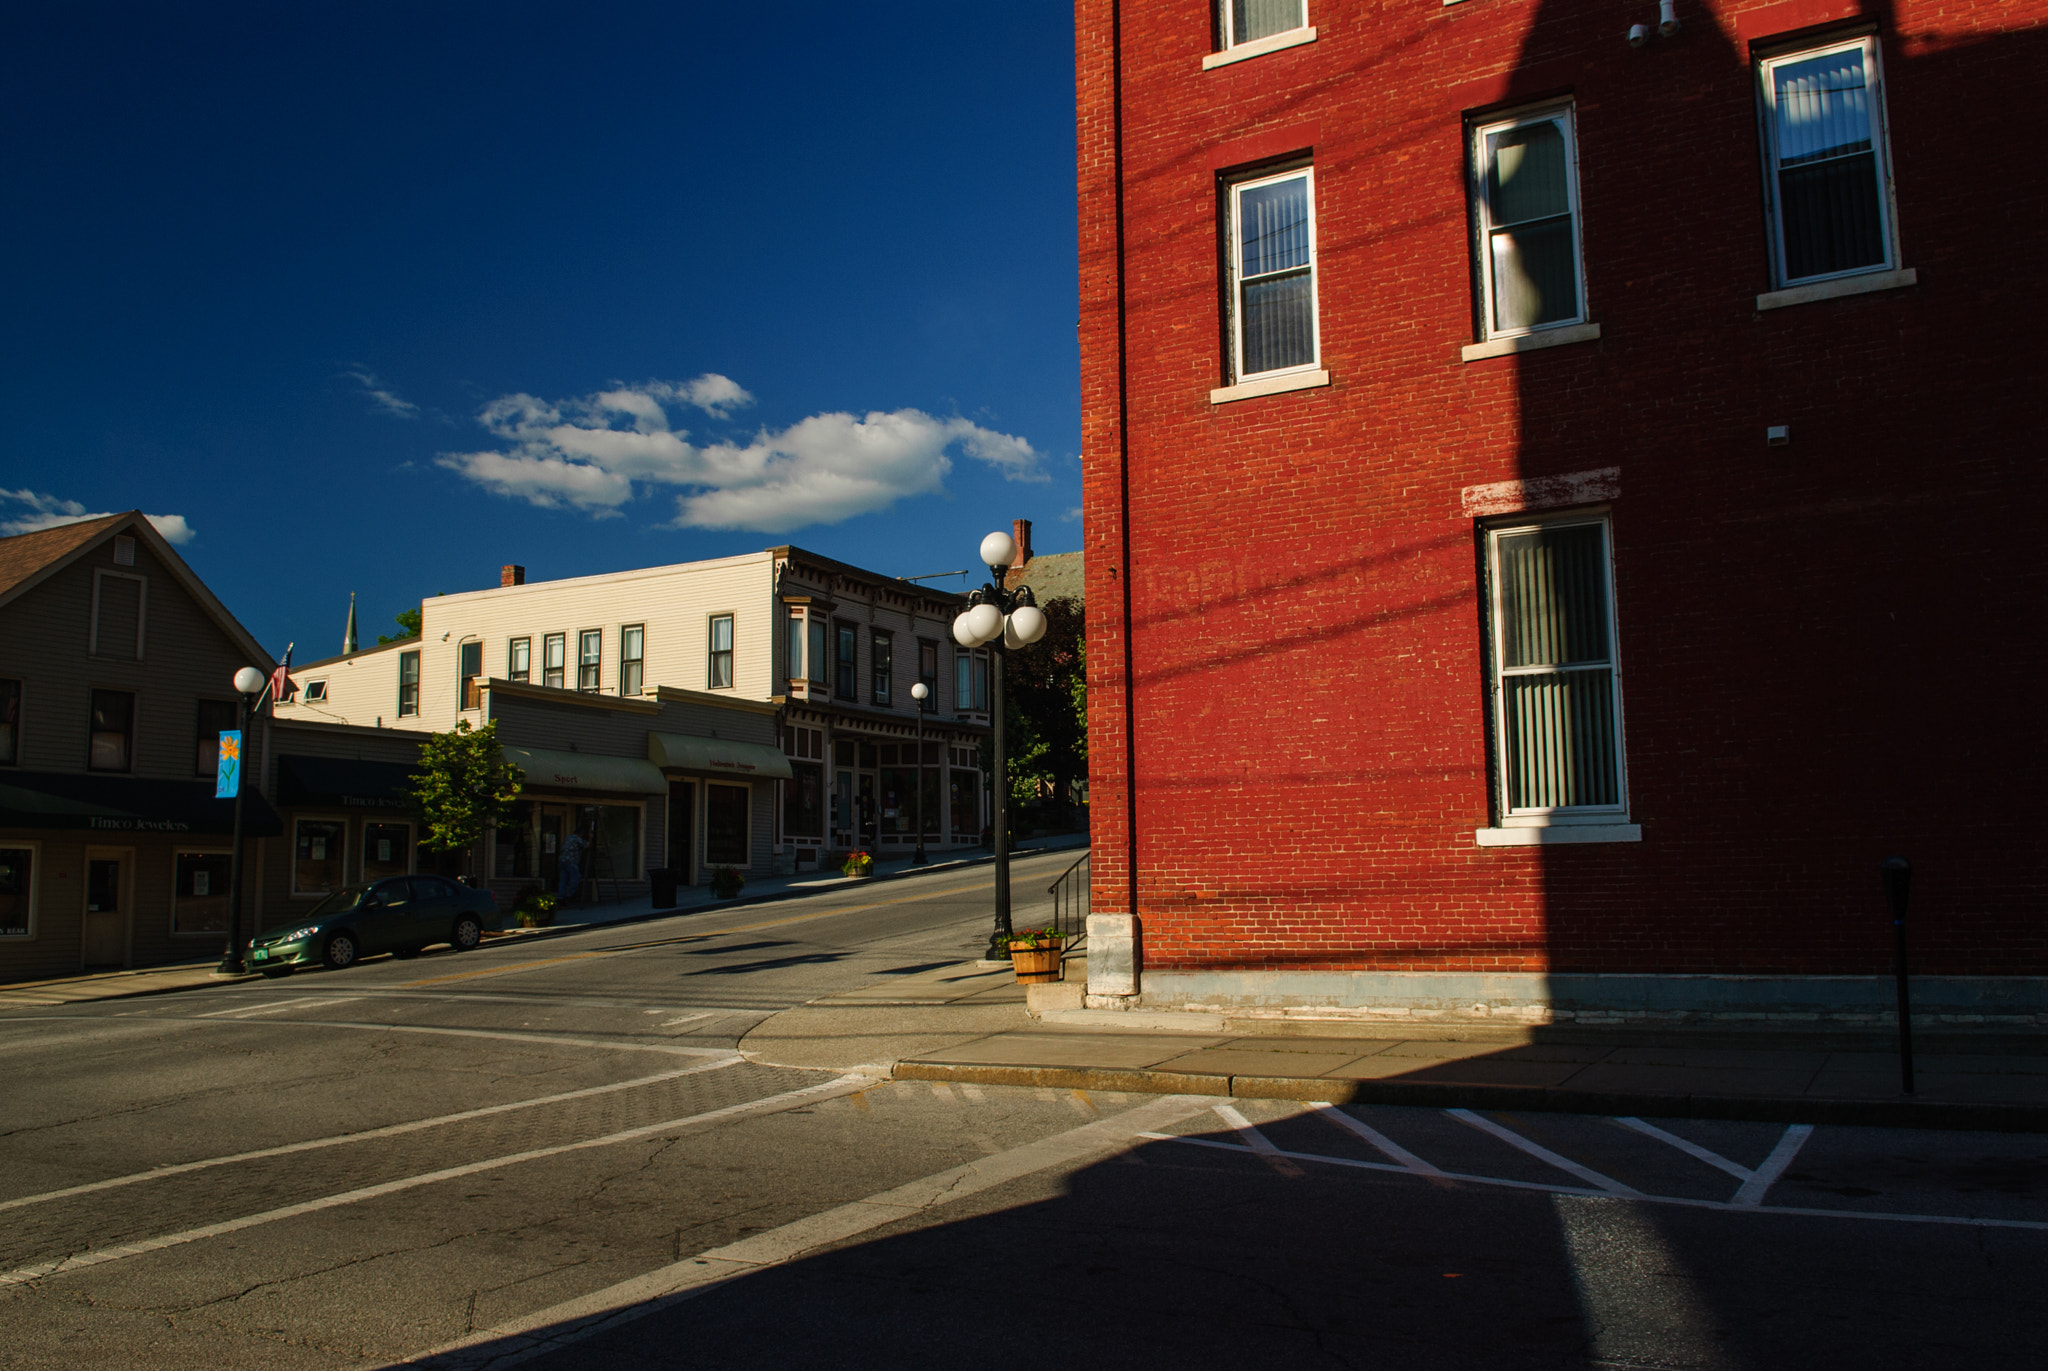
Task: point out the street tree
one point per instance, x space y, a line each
1045 698
465 788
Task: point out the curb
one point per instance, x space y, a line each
1898 1113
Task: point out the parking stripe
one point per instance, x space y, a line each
1542 1153
1757 1186
1689 1147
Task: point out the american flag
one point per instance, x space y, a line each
281 679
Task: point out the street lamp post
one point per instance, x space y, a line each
918 694
1000 619
248 681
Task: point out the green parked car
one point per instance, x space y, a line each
400 915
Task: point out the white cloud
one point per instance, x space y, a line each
47 511
381 396
1072 516
596 452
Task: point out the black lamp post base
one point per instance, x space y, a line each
918 858
231 966
998 947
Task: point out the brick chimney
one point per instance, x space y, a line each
1023 538
512 576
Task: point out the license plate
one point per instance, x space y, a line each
260 954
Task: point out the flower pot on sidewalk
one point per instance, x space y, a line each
1035 954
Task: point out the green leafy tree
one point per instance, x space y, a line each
465 788
409 620
1045 708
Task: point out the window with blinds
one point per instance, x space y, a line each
1272 261
1247 21
1826 180
1556 687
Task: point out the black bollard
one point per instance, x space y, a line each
1897 874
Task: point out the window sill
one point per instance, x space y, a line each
1259 47
1837 288
1558 833
1269 385
1529 342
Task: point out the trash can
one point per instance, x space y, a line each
663 879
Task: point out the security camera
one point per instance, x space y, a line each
1667 18
1638 34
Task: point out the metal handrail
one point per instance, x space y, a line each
1070 903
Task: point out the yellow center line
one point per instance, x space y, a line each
694 937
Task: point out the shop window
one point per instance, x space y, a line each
200 892
614 834
317 856
512 843
519 660
10 722
803 801
387 851
965 798
882 666
725 825
408 683
215 718
632 658
112 745
589 655
17 890
554 655
718 673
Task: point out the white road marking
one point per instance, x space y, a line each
1378 1139
1723 1206
548 1330
495 1035
1758 1185
389 1131
944 1092
974 1092
64 1266
1541 1153
1689 1147
300 1002
1257 1141
687 1018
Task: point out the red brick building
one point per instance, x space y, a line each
1557 475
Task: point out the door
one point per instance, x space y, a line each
682 831
842 810
105 940
870 814
553 828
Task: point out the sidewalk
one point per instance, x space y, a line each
157 980
970 1024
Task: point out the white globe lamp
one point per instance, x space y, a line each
249 680
1026 625
998 549
978 625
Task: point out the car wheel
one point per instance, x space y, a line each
468 933
341 951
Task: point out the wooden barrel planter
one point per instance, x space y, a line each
1035 965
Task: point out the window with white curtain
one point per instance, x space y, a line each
1556 679
1272 266
1826 175
1247 21
1525 206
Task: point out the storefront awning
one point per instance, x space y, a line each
343 782
681 752
127 804
547 769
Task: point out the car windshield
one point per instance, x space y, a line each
347 898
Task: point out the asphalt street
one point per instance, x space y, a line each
563 1153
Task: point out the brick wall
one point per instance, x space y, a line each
1828 649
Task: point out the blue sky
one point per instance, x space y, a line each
376 298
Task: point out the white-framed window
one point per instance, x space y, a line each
318 853
881 664
1248 21
1271 262
1827 178
793 647
1525 212
554 653
1556 674
718 667
632 658
408 683
18 862
470 669
589 657
316 692
519 660
199 892
970 682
